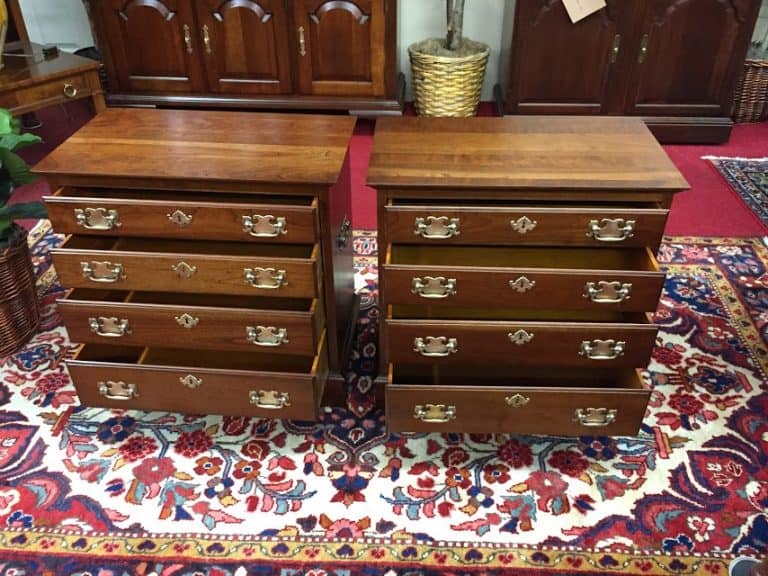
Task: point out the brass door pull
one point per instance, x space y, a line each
436 227
265 278
643 49
207 39
434 413
118 390
594 417
607 292
102 272
269 399
187 39
602 349
435 346
268 336
264 226
302 42
615 47
433 287
70 90
109 327
611 230
97 218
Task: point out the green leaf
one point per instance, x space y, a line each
16 142
6 121
17 169
26 210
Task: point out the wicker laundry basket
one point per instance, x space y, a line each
19 310
750 102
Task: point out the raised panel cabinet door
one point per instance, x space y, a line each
245 46
558 67
689 56
153 45
339 47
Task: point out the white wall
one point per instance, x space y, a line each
420 19
61 22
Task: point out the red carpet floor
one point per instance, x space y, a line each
709 208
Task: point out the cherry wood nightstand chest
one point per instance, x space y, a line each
518 274
208 257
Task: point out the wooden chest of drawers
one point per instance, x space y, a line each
518 274
208 259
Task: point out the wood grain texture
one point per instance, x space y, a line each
163 146
561 153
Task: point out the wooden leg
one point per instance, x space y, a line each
97 103
97 93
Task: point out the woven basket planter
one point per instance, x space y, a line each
750 102
19 310
446 85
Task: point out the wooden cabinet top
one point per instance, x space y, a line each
521 152
150 147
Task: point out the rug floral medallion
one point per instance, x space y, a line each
109 492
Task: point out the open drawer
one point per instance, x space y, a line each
541 278
246 323
160 214
508 400
188 266
200 382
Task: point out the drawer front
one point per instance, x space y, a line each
61 90
515 410
182 219
207 327
531 226
523 288
200 390
578 344
185 272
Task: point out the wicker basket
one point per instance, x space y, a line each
19 311
750 102
447 86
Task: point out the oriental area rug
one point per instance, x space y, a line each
748 177
114 493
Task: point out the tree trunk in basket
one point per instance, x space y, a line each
455 17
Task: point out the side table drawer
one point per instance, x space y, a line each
466 399
253 324
200 382
235 217
188 266
61 90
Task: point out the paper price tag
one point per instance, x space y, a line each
580 9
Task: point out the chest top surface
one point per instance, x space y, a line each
167 145
521 152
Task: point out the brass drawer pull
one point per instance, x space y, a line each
522 284
643 49
270 399
97 218
187 321
265 226
517 401
184 270
602 349
109 327
607 292
611 230
429 287
434 413
523 225
118 390
302 42
266 278
436 228
179 218
266 335
187 38
70 90
594 417
190 381
435 346
104 272
207 39
520 337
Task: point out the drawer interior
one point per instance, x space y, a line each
513 257
427 311
211 359
255 250
512 376
196 198
183 299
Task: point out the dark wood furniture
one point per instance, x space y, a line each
17 28
673 62
29 82
518 271
208 257
310 54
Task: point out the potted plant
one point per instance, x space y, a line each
19 311
448 72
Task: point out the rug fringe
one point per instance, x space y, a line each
709 157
